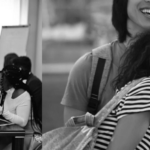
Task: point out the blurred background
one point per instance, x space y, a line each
24 13
70 29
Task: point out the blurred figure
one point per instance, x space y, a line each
34 84
9 58
15 104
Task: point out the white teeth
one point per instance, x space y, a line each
146 11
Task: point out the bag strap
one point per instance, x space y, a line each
93 101
101 63
96 120
105 111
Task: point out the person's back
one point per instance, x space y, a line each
35 86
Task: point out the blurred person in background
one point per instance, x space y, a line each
129 18
16 99
9 58
35 86
34 83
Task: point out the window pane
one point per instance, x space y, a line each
9 12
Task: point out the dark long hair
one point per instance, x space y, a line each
9 58
120 18
136 62
15 76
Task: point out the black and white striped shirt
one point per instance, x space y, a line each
137 100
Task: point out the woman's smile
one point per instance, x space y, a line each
138 16
146 12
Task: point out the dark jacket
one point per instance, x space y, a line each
35 86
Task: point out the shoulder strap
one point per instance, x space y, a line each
101 63
96 120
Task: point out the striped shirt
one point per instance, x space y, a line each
137 100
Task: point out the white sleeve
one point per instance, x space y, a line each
22 111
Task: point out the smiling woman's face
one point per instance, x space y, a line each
139 14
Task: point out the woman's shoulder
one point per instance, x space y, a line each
82 65
143 86
85 61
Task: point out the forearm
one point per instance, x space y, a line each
70 112
14 118
129 131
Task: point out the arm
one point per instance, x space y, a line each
75 98
133 118
129 131
22 111
69 112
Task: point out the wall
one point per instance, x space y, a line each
34 45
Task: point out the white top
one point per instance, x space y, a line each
17 110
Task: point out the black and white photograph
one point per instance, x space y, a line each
96 74
74 74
